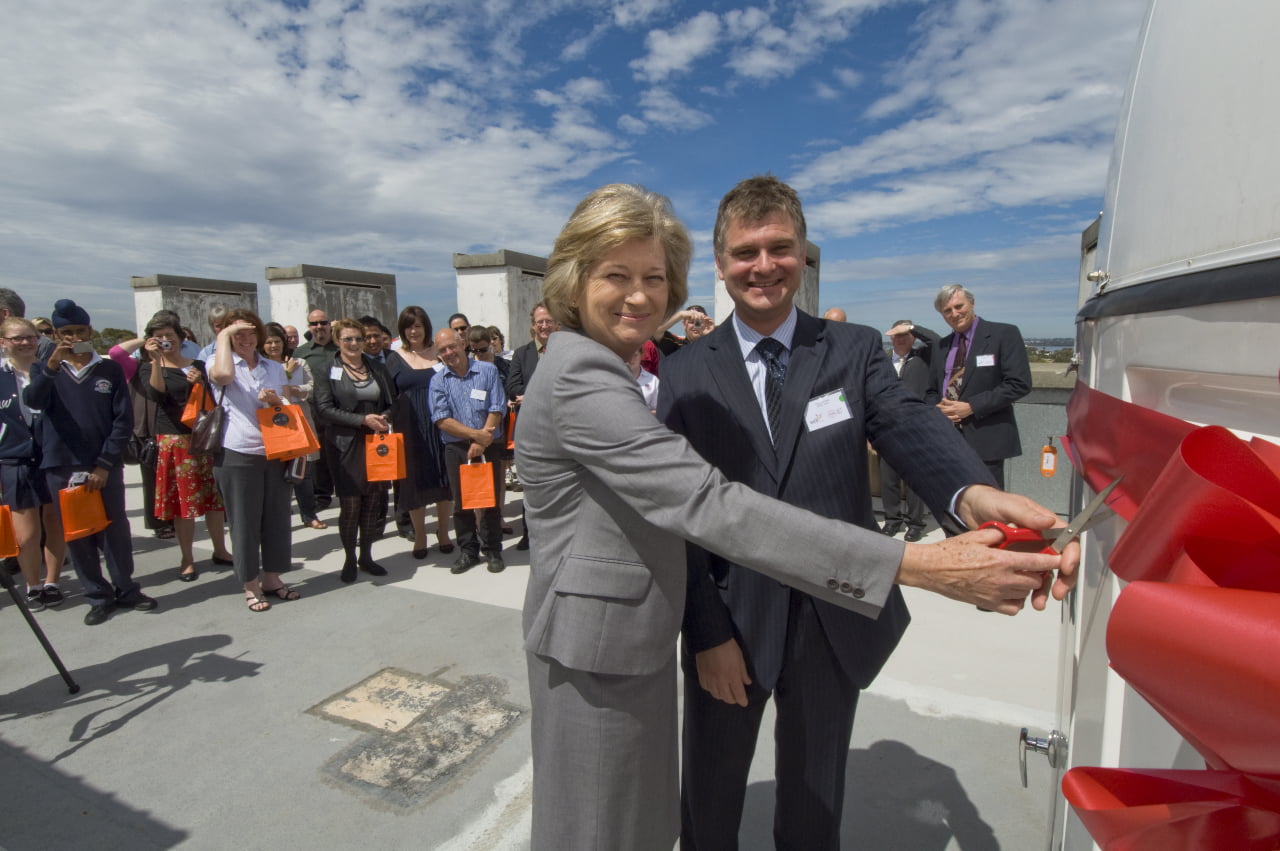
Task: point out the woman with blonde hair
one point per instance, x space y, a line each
22 483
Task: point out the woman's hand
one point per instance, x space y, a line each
269 397
376 423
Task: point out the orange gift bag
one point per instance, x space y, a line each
384 457
511 429
197 403
82 512
476 482
8 540
286 433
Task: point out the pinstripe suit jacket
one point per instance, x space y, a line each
707 396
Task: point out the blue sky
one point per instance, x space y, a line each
957 140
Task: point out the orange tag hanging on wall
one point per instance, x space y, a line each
1048 459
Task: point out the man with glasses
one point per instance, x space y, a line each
318 353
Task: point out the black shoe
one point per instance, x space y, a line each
97 614
422 553
523 543
891 529
465 562
496 564
223 561
913 535
139 602
188 577
372 568
507 530
35 600
348 572
51 596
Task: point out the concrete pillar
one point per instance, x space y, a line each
499 289
806 296
341 293
190 298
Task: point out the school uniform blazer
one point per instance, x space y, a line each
996 374
612 495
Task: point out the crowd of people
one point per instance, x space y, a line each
713 485
71 417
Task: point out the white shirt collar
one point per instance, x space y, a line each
748 337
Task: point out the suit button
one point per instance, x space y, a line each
833 585
859 593
846 588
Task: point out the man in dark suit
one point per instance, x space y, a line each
785 403
911 363
524 361
978 372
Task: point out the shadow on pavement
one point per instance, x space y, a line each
895 798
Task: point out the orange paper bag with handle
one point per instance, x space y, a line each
384 457
197 403
475 480
8 540
511 429
286 433
83 513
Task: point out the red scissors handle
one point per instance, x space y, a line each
1020 540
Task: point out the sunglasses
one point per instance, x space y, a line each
318 324
479 351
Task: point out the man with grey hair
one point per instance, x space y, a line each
978 372
11 304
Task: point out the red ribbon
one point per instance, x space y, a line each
1196 631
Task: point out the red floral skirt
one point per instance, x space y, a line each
184 485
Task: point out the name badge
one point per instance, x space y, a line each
986 360
826 410
335 373
479 395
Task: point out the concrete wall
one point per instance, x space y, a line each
190 298
342 293
499 289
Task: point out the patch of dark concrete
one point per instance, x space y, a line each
422 733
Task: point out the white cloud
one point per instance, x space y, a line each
675 51
663 109
627 13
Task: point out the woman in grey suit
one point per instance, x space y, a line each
612 495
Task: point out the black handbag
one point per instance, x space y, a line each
207 433
140 450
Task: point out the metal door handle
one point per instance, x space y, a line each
1054 747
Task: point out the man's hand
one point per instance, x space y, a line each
97 479
475 451
482 438
980 504
955 410
58 355
723 672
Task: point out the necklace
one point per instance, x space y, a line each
360 370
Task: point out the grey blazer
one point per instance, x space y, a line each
612 495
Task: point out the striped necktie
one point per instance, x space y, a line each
775 373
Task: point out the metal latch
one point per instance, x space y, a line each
1054 747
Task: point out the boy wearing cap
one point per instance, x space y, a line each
88 418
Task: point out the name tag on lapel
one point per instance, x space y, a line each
335 373
826 410
986 360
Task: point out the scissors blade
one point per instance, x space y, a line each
1082 520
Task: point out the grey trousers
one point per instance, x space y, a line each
257 499
605 770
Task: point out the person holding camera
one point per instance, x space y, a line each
184 486
87 420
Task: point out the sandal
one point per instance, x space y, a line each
165 532
283 592
257 604
318 524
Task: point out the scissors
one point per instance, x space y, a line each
1032 541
